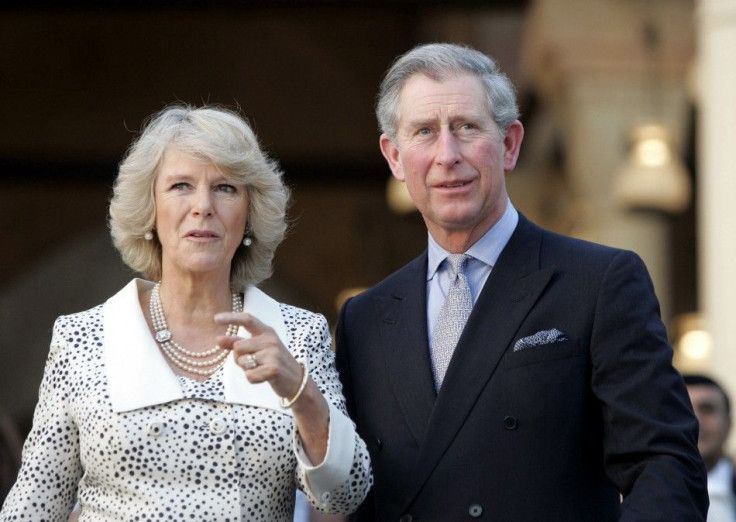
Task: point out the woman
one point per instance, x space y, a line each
197 396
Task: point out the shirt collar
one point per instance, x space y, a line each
137 373
719 478
486 249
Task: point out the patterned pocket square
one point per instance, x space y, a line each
540 338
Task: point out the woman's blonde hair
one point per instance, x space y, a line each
224 138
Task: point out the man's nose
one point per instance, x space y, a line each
448 149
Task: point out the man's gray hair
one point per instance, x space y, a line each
439 61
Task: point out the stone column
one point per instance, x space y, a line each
590 63
716 37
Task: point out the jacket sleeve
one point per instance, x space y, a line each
50 471
341 482
650 431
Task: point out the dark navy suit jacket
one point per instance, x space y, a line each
554 432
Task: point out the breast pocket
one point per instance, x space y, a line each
540 353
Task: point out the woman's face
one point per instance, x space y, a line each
200 216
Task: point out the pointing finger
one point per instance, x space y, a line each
226 341
246 320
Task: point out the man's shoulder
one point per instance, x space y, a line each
561 246
409 274
577 245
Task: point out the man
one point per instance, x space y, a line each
713 409
559 395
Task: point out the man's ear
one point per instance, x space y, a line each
512 145
391 152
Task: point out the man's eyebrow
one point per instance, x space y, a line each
420 122
709 406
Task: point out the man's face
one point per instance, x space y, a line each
710 408
452 155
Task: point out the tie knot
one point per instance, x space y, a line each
457 263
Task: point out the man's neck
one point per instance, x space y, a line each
458 241
711 461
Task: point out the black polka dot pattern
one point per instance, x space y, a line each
198 458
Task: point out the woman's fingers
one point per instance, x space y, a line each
226 341
246 320
263 356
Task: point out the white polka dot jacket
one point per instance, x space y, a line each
116 430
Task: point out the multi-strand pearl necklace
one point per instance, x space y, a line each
201 363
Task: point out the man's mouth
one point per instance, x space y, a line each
455 184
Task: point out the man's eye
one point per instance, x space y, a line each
424 132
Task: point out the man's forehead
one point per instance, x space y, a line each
705 392
422 97
460 82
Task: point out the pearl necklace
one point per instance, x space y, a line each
201 363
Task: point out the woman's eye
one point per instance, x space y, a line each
179 186
229 189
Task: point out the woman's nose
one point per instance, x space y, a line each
202 201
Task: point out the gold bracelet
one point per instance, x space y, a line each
305 377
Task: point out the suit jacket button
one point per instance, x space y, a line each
406 518
379 444
510 422
475 511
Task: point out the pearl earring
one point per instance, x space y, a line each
247 241
148 236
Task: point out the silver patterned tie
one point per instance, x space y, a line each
452 317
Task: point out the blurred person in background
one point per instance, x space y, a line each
10 448
712 406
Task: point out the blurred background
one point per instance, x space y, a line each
628 105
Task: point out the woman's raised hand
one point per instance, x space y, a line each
263 356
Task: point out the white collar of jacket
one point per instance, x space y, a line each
137 372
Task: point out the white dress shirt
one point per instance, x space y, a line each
484 254
720 490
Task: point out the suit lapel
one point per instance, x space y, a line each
403 325
515 284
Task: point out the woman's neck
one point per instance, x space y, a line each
194 300
185 309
